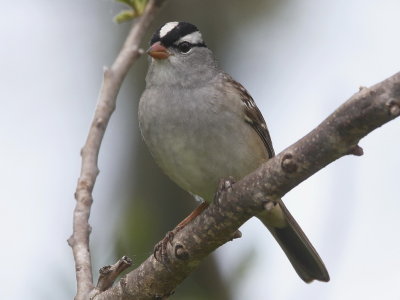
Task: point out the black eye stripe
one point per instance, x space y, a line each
179 31
191 45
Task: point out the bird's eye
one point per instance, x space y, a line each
184 47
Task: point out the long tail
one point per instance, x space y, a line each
302 255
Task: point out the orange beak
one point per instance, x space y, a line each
158 51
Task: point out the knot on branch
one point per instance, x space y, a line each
393 107
367 90
100 123
236 235
181 253
288 164
356 150
71 241
224 185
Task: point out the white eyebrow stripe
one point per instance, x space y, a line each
193 38
167 28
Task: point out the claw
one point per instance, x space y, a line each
225 184
160 250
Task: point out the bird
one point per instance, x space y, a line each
201 126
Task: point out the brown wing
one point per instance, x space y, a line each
254 117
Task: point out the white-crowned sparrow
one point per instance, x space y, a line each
201 126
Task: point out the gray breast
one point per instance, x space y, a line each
199 139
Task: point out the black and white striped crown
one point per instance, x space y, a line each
173 33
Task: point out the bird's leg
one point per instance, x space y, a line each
160 250
197 211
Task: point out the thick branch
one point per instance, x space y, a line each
335 137
113 77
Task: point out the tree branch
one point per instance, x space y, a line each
335 137
108 274
113 77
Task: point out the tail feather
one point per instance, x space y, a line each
300 252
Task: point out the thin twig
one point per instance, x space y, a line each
335 137
108 274
113 77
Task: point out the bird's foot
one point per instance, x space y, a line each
160 250
224 185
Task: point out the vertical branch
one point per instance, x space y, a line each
112 80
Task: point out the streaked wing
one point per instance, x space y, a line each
254 117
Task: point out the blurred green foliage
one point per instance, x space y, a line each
136 9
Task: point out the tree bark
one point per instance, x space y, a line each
337 136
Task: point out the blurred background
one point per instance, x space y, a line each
299 59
